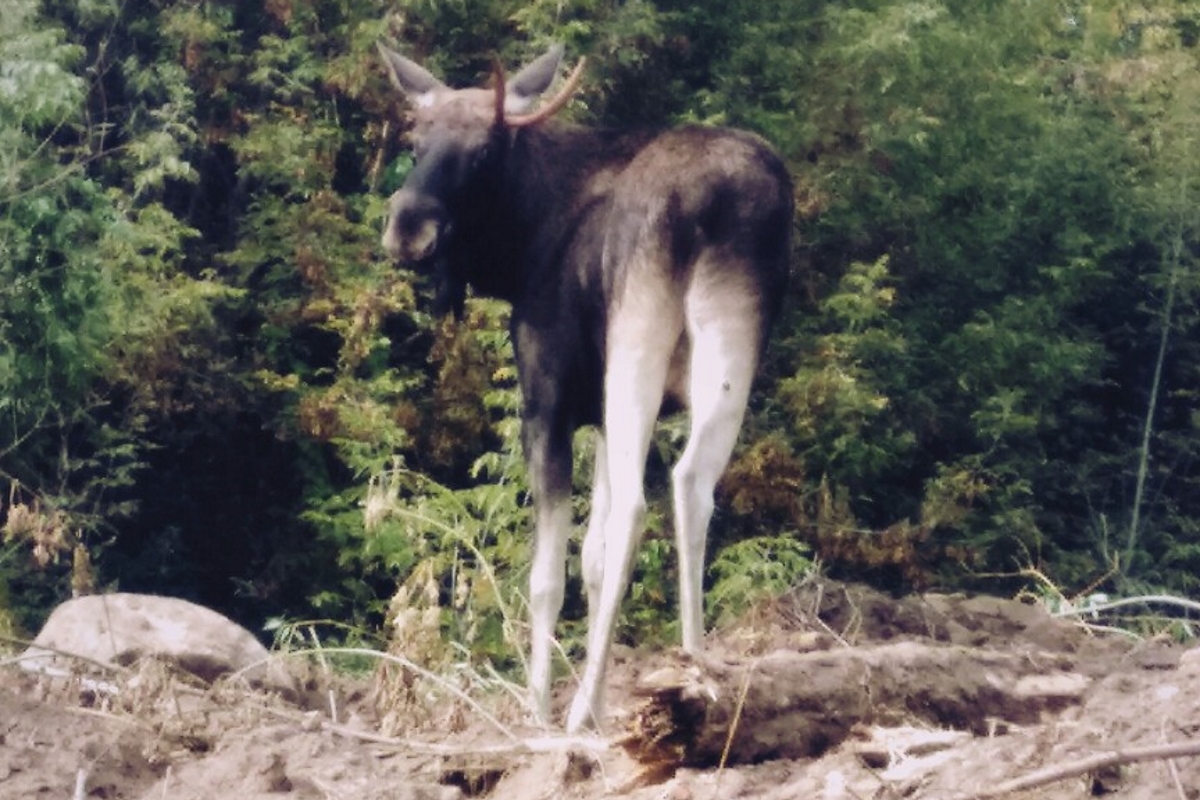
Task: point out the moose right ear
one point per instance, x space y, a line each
532 80
410 77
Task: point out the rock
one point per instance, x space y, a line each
1054 689
1189 661
124 628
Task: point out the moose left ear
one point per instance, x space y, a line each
525 87
410 77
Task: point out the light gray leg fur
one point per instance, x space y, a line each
642 337
723 363
593 541
547 583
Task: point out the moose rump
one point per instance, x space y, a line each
643 269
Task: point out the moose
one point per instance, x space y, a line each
644 270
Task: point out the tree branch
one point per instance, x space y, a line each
1072 769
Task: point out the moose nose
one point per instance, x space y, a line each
414 227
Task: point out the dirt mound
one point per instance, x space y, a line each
832 692
46 746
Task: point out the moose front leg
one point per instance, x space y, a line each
548 455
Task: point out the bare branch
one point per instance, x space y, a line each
1073 769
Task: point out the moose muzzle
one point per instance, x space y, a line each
416 224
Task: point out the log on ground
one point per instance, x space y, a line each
796 705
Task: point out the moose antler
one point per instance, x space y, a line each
548 109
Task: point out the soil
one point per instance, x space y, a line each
949 697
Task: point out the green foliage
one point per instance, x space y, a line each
470 544
97 320
755 569
839 413
39 88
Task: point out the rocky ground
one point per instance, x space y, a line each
832 693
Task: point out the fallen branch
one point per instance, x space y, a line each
407 664
37 652
527 745
1098 761
1157 599
80 793
520 746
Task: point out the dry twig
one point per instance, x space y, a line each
433 677
81 776
1150 599
1097 761
46 650
733 726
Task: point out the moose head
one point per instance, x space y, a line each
460 138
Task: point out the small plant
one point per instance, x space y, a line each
755 569
47 532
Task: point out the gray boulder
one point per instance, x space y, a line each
124 628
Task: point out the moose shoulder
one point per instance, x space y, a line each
642 269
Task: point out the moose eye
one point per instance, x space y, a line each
419 138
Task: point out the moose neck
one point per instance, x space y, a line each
526 213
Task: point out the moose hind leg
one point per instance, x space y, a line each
641 341
725 344
593 540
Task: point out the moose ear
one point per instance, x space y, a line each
410 77
524 87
